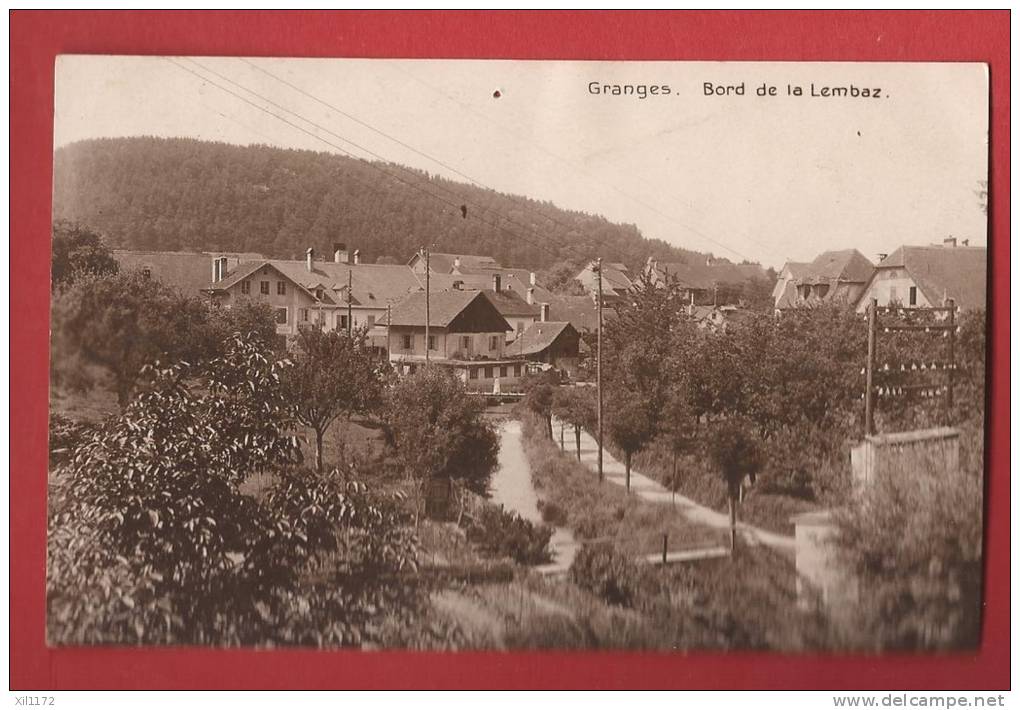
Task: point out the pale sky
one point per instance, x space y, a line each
765 178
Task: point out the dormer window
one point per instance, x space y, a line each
319 294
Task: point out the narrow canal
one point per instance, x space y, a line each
513 489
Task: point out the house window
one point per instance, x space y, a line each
281 288
304 315
281 313
520 327
371 321
502 370
473 373
488 372
465 342
343 322
147 272
913 295
318 294
264 288
246 287
517 370
432 342
407 342
493 342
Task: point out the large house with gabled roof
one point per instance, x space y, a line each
466 336
316 293
923 276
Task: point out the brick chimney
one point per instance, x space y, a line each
456 262
533 278
949 242
357 256
340 253
531 295
497 282
309 258
545 312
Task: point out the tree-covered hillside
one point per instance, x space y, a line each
182 194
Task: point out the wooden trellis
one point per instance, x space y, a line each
948 367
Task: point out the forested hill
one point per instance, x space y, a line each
182 194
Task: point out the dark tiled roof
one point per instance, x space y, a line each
580 311
444 263
371 284
843 265
537 337
797 269
705 276
189 272
943 272
443 307
509 303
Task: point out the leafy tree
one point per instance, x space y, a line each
78 251
632 423
577 407
334 374
439 431
561 278
540 394
115 324
152 540
738 455
119 323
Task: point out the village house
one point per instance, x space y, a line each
706 282
515 303
920 276
833 277
556 344
616 281
784 293
186 271
442 263
466 335
315 293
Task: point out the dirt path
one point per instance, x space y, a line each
655 492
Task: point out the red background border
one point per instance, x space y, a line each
38 36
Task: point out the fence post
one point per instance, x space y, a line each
665 546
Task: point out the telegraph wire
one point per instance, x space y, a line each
457 197
427 156
572 165
360 159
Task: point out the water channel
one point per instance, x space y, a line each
513 489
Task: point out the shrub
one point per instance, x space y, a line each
613 577
65 437
505 534
151 539
552 513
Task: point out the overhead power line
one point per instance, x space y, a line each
570 163
458 198
455 205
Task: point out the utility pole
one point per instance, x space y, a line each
425 254
350 317
598 365
869 381
389 317
952 361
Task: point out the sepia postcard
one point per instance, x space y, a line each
515 355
